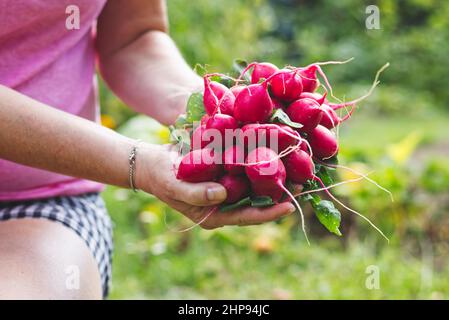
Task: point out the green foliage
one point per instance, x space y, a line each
195 108
328 215
262 201
280 116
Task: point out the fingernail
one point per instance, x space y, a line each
216 193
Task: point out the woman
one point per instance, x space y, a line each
55 234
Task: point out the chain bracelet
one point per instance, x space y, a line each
132 167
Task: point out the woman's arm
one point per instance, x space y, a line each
140 62
34 134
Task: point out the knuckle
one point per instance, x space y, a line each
241 221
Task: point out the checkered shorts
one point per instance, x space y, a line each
85 214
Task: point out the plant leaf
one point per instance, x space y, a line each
238 66
181 137
324 174
282 117
328 215
332 161
242 203
313 198
261 201
181 122
195 107
200 69
224 80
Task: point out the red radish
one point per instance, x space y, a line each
304 146
225 125
233 158
217 98
266 173
309 79
323 142
277 104
305 111
299 166
237 89
199 166
320 98
257 135
249 138
330 118
286 85
285 137
274 191
204 119
263 70
253 104
197 141
237 187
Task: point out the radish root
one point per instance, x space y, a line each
299 209
206 216
366 95
330 187
364 176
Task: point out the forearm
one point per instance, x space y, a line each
151 76
39 136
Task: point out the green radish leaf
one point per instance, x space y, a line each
181 137
311 185
242 203
328 215
331 161
325 176
313 198
224 80
238 66
282 117
261 201
181 122
195 107
200 69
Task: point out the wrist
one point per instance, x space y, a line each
146 161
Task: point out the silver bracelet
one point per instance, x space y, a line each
132 166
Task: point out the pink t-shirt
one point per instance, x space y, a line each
45 57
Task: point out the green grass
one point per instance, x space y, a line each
225 264
370 133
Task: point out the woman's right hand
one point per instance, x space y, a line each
156 175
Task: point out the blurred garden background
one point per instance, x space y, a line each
401 132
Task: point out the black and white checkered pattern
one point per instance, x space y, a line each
85 214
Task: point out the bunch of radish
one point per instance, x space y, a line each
263 131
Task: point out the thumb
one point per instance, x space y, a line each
199 194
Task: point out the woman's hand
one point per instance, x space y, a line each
156 175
